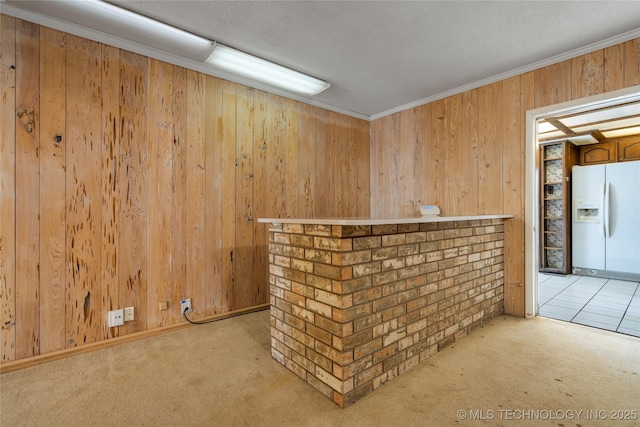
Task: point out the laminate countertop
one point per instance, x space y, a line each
380 221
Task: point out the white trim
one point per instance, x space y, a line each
532 173
611 41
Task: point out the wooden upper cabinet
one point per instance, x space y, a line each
605 152
629 149
611 151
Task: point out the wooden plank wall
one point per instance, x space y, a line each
127 181
478 138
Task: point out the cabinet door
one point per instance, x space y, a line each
629 149
605 152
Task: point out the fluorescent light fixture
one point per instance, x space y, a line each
131 27
255 68
121 23
617 133
584 139
576 139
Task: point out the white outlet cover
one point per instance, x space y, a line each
128 314
116 318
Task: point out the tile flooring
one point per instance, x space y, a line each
608 304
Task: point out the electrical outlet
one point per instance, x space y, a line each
185 306
163 305
128 314
116 318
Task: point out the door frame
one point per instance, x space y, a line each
532 174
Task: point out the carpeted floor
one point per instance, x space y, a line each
511 372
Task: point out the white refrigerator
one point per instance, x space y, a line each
606 220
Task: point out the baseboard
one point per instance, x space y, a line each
73 351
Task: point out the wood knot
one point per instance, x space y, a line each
27 119
57 138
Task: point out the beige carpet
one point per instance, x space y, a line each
508 373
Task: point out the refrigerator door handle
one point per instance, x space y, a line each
602 196
607 194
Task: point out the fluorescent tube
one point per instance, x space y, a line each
121 23
255 68
114 21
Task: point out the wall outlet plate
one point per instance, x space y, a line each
116 318
185 306
128 314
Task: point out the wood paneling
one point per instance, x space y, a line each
127 182
52 190
587 73
632 62
84 190
196 194
27 184
165 171
7 189
110 206
131 191
488 126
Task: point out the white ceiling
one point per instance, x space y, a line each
385 56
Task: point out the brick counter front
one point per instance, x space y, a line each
353 306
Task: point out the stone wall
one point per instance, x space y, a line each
354 306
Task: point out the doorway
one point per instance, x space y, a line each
533 289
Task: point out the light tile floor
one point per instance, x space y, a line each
608 304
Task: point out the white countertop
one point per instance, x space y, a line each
379 221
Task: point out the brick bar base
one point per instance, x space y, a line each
354 306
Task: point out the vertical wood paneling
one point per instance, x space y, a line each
243 292
490 148
306 184
363 161
587 75
321 199
213 194
291 157
52 190
303 155
110 207
332 168
406 144
453 155
632 62
513 154
131 187
260 186
27 190
386 172
514 236
613 68
83 186
276 166
435 154
351 164
491 145
553 84
145 188
160 141
179 187
7 189
228 214
424 129
469 159
196 285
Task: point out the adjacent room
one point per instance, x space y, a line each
589 231
310 213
